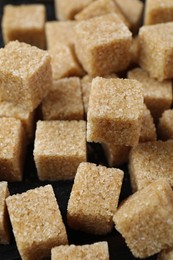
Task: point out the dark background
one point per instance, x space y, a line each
117 247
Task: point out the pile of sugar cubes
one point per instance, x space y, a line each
105 78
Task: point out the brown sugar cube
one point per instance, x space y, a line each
37 223
115 111
25 75
99 8
145 219
66 10
27 118
156 50
24 23
119 154
166 254
148 129
94 251
4 221
64 63
157 95
94 198
158 11
132 10
60 146
12 149
106 41
64 102
165 126
60 32
60 43
150 161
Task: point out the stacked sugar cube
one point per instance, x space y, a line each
24 82
83 96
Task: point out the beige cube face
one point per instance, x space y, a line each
66 10
60 146
165 126
106 41
64 102
4 221
158 11
156 50
150 161
60 32
157 95
145 219
94 251
12 152
115 111
64 63
24 23
94 198
37 223
86 89
28 79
